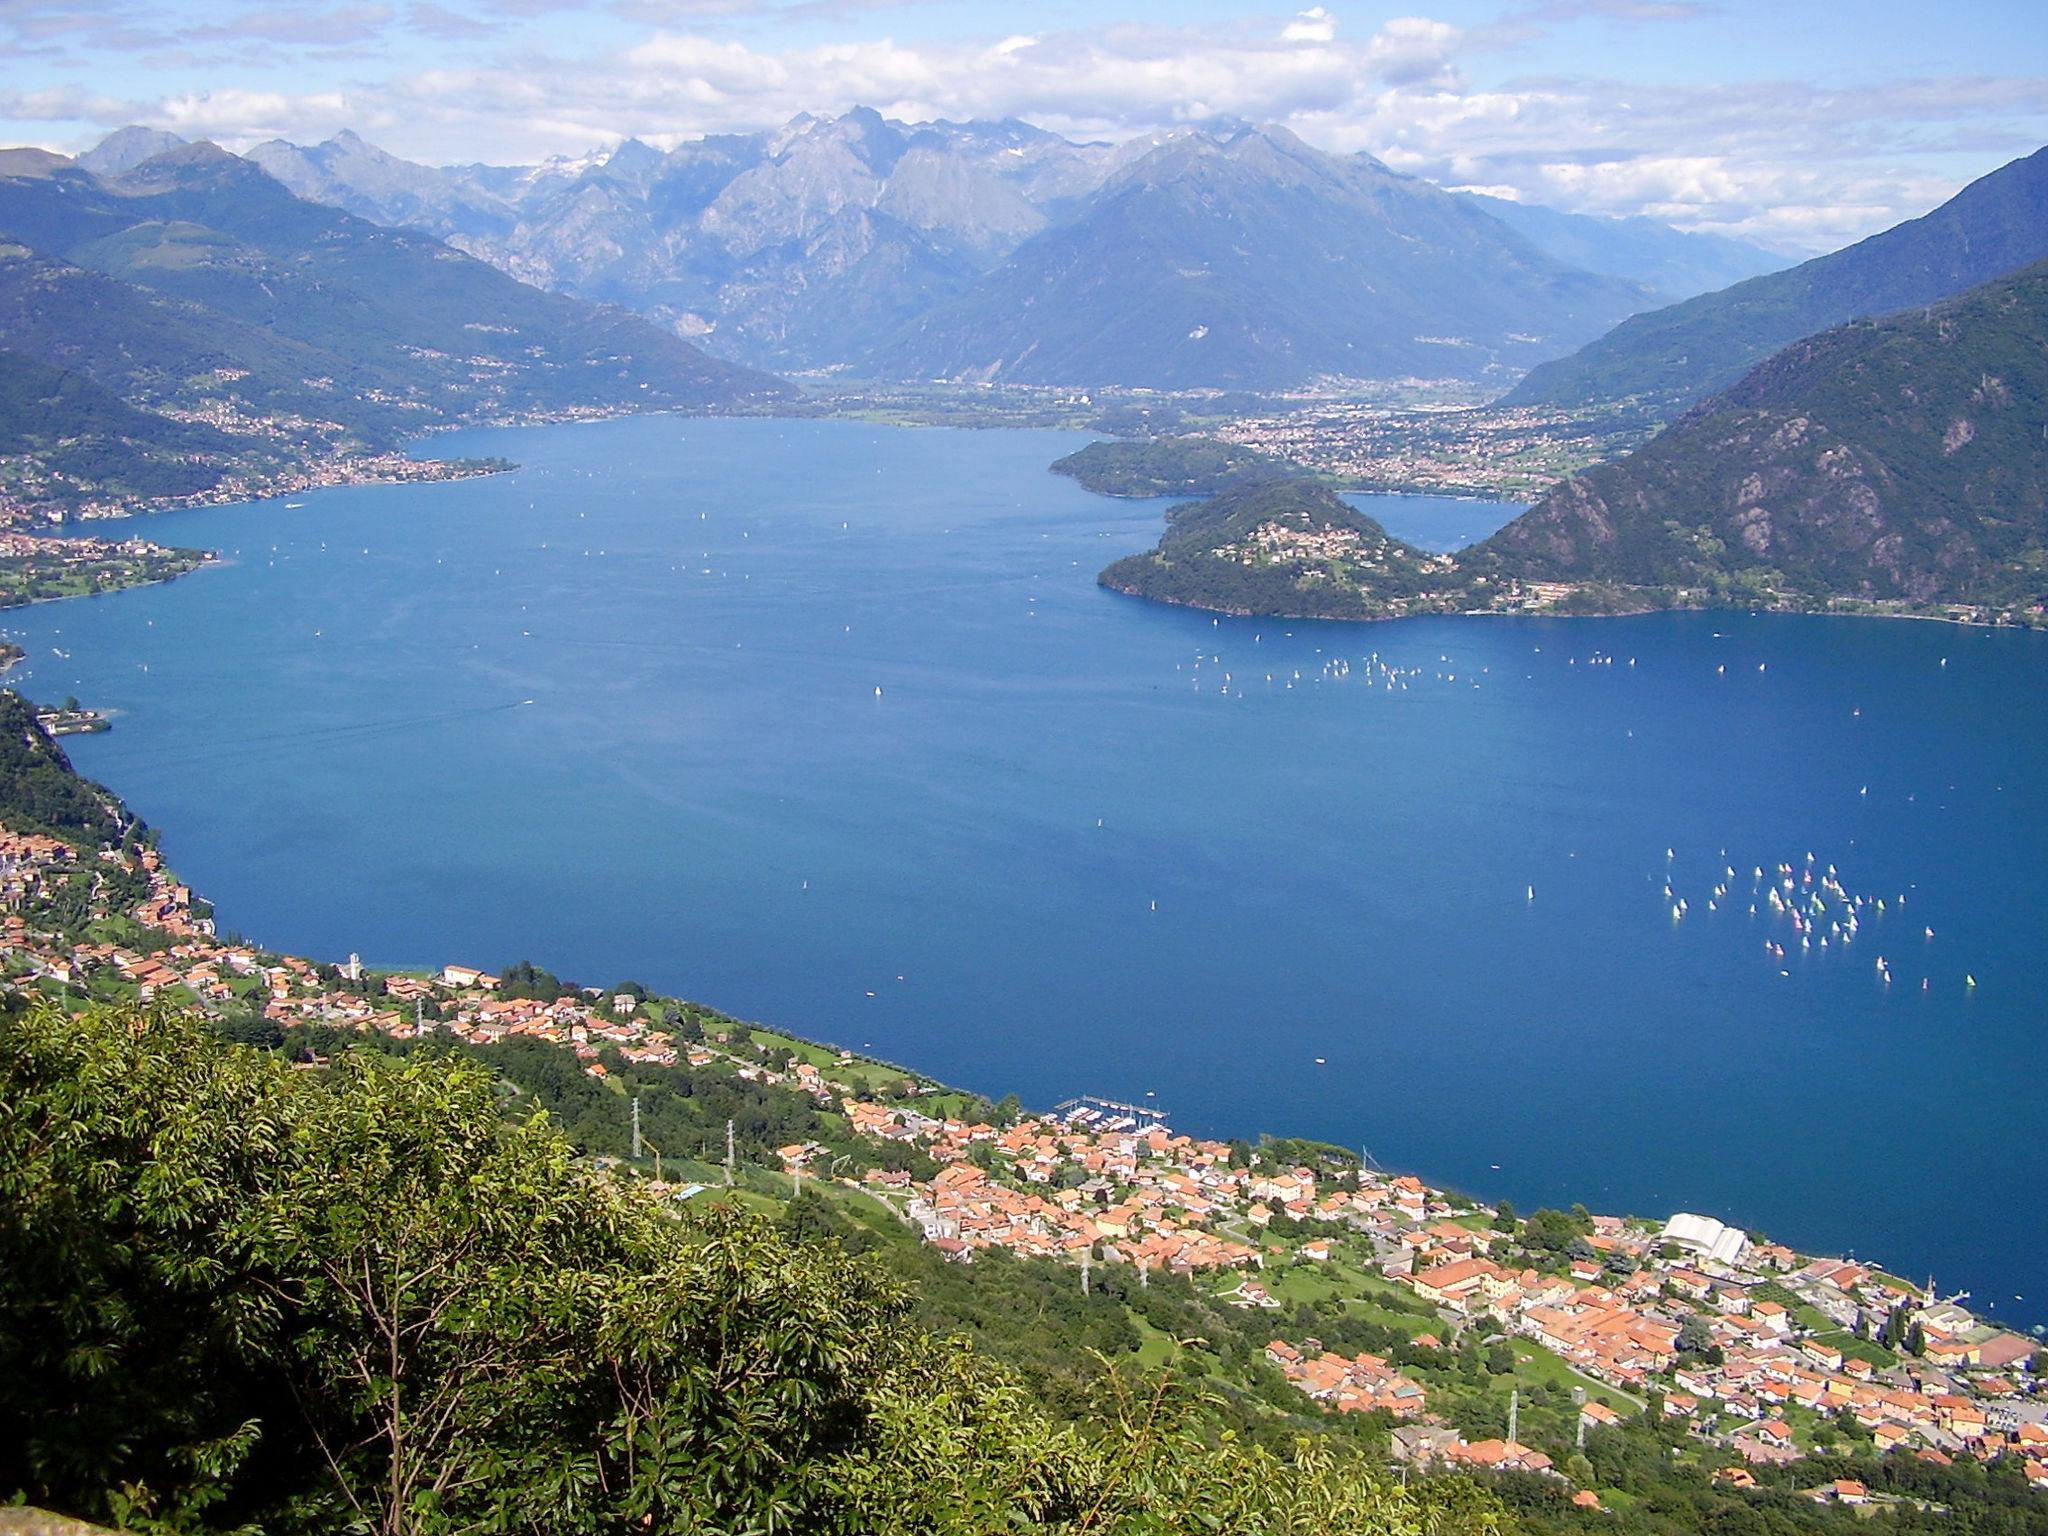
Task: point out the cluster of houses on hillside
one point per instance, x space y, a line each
1748 1344
1620 1316
1055 1200
1741 1341
1359 1384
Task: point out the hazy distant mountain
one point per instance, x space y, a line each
347 173
800 247
127 148
824 242
1669 262
1243 257
1900 459
1671 357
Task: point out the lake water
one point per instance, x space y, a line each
1081 843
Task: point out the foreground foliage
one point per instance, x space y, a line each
236 1295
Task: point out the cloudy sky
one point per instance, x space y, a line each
1799 123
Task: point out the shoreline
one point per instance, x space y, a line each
213 558
435 976
1476 613
250 496
1647 609
1399 1168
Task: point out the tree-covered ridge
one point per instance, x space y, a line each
41 793
238 1296
84 437
1169 466
1891 461
1669 358
1289 548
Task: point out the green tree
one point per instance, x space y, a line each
234 1295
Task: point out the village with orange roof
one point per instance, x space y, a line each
1753 1348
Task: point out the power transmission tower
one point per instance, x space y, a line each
728 1154
636 1127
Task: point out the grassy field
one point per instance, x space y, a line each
1854 1348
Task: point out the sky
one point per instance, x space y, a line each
1801 126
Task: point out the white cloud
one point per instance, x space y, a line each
1413 50
1314 25
1775 160
241 118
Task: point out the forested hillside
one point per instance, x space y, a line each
187 327
1669 358
1895 460
234 1295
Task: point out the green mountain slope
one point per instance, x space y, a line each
1886 466
91 442
239 1296
40 792
1247 259
1897 460
1672 357
195 282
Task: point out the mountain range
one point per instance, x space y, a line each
186 284
1247 259
880 248
1668 358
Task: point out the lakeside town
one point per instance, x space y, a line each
1760 1353
29 499
37 569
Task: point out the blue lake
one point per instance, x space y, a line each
1081 843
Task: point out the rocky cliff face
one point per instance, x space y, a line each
1243 257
